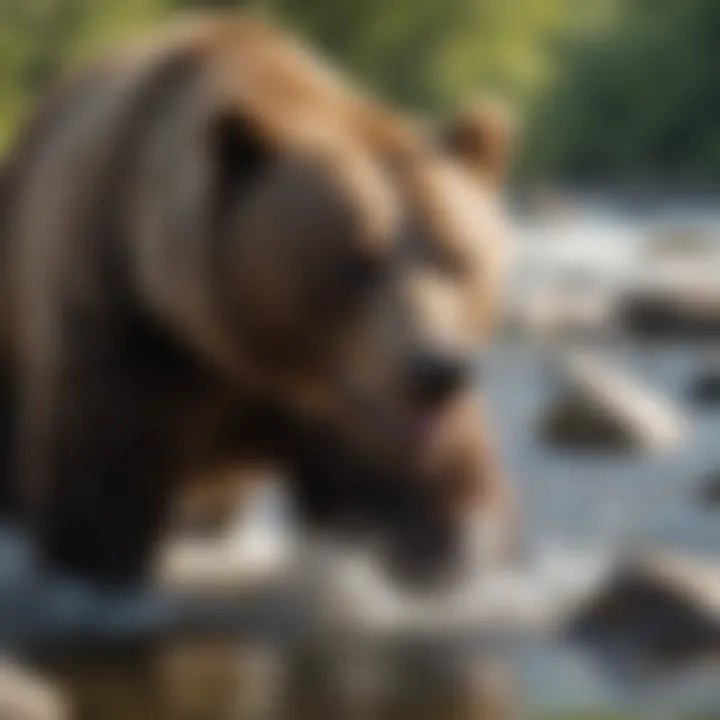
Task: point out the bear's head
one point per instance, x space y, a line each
356 255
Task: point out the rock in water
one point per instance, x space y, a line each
659 313
599 410
709 492
662 609
24 696
705 388
681 241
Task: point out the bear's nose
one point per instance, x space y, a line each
436 375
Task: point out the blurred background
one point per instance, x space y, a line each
622 93
604 384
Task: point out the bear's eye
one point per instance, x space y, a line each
241 152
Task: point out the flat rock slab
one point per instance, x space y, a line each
597 409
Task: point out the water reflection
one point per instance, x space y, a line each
221 679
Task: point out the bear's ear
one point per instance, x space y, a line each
240 150
482 136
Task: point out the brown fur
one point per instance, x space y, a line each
216 252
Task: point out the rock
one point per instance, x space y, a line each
677 241
599 410
705 388
662 609
668 313
25 696
709 491
566 316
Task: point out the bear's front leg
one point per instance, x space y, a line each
95 469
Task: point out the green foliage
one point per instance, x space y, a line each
430 54
433 53
619 90
38 38
642 100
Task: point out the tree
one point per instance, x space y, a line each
642 100
429 54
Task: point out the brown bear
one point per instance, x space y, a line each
216 252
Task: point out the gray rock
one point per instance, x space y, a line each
663 610
677 241
705 388
667 314
596 409
709 491
26 696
